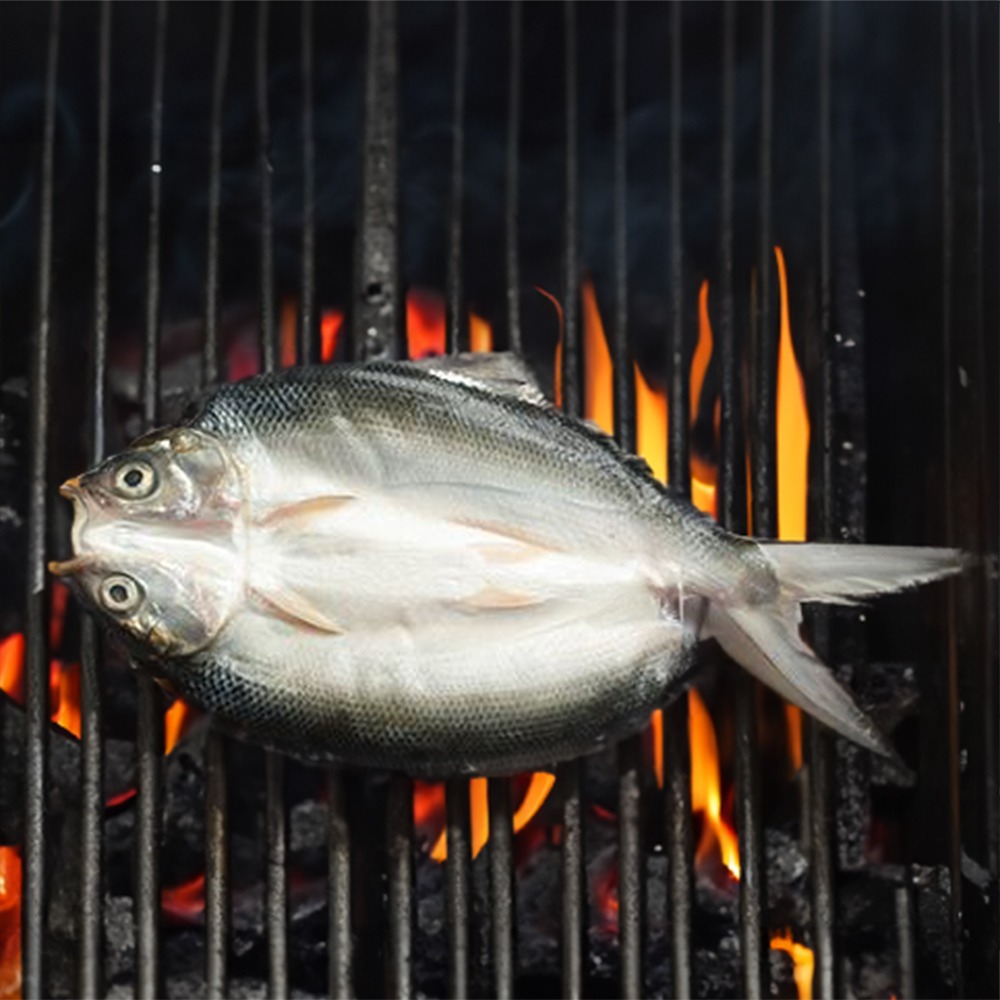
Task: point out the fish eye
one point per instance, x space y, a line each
120 594
135 480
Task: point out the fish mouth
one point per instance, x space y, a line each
72 490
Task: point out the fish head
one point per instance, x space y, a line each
173 474
157 550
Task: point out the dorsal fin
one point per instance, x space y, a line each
503 373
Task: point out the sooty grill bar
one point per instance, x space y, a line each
357 928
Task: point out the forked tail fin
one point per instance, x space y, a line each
764 638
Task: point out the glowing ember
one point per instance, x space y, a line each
12 666
10 923
59 598
802 957
706 791
184 903
425 329
330 325
176 721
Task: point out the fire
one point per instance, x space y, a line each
12 666
184 903
330 325
64 695
651 425
480 335
803 959
792 463
176 721
703 473
10 923
598 391
425 329
706 788
429 808
793 428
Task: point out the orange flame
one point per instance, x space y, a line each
64 695
12 665
792 463
425 329
703 474
706 790
10 923
176 721
480 335
803 960
184 903
288 325
537 792
651 425
330 325
598 392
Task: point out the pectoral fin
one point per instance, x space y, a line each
302 513
496 598
297 610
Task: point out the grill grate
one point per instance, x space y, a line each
361 934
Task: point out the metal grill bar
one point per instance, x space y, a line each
631 880
36 655
275 877
149 736
753 942
457 886
819 748
948 299
339 892
573 892
377 319
308 319
210 357
91 736
269 354
511 228
216 801
501 888
399 825
731 487
456 321
676 746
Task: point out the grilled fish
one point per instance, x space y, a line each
434 570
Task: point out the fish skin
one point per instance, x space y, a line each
497 586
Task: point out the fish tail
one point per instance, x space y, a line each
841 574
764 638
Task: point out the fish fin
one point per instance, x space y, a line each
502 373
496 598
297 610
506 531
765 640
835 573
302 512
500 553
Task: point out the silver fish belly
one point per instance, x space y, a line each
388 565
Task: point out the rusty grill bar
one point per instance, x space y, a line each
370 947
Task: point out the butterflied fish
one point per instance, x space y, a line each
435 570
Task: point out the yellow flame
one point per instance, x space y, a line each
706 787
651 425
598 393
480 335
803 960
